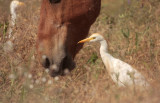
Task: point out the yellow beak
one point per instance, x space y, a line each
21 4
85 40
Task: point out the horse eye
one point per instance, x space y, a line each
55 1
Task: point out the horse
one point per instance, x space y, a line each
62 24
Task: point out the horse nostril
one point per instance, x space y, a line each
46 62
68 63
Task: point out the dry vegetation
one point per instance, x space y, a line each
133 35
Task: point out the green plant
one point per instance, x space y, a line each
93 58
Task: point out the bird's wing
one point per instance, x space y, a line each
126 74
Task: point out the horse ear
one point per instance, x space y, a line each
55 1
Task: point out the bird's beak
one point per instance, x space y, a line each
85 40
21 4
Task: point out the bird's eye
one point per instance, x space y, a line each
94 37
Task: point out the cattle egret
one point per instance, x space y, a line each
13 6
121 73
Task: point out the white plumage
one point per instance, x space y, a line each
121 73
13 6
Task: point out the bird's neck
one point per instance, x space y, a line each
13 16
103 47
106 57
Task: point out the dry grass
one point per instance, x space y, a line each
133 36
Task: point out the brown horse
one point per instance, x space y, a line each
62 24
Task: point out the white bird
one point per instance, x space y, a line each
121 73
13 6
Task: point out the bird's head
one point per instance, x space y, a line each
16 3
96 37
